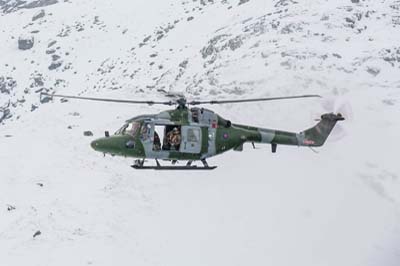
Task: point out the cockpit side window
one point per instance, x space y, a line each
121 130
145 131
130 128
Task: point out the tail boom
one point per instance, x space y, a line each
312 137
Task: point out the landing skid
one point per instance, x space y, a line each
139 164
173 167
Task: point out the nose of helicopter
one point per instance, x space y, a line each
112 144
94 144
99 144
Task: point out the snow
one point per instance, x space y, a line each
340 206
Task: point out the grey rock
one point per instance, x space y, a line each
5 113
55 57
39 15
21 100
159 37
79 26
211 48
290 28
51 51
45 99
7 85
390 102
337 55
373 71
40 3
55 65
350 23
88 133
184 63
64 32
25 43
8 6
51 44
325 17
235 43
59 82
37 233
146 39
281 3
38 81
391 56
241 2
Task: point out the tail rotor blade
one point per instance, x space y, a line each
342 106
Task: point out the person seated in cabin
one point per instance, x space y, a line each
157 142
174 138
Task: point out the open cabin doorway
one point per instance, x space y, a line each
158 137
167 137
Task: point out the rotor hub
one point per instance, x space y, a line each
181 103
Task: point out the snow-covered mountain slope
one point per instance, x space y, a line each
338 207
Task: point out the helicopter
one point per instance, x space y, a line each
191 133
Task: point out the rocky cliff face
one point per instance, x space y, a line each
200 48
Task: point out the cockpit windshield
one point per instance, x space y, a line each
130 128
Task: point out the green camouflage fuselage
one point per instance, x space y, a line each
203 134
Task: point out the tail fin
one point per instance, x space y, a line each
317 135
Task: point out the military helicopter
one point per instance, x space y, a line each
192 133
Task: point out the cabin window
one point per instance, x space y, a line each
145 131
195 115
158 136
193 135
211 136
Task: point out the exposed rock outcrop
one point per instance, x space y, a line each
25 43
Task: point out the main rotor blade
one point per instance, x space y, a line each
107 100
254 100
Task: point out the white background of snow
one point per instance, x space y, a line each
338 207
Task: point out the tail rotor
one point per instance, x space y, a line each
338 105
